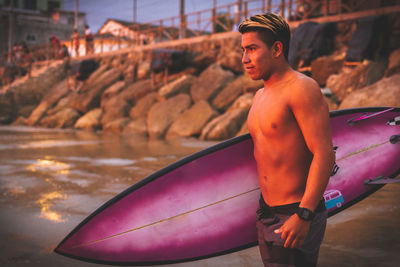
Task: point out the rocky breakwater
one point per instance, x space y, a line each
207 95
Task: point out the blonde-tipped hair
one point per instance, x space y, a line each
271 28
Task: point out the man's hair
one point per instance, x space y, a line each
270 28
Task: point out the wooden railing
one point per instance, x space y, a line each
223 18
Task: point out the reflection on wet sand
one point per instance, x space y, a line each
51 180
46 201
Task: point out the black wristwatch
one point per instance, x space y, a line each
305 214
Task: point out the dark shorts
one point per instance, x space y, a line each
272 250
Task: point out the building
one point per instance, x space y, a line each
34 21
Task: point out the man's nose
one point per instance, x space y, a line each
245 58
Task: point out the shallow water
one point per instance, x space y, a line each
50 180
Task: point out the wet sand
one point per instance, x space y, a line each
51 180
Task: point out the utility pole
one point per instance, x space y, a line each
183 19
214 16
10 30
76 15
134 11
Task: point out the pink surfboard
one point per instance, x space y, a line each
205 205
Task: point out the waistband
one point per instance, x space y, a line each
289 209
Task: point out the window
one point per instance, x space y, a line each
30 4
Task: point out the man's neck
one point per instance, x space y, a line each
278 75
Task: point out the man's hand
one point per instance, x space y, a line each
294 231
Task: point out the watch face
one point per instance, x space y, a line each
306 214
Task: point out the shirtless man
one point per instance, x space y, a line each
290 127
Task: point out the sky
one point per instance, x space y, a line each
98 11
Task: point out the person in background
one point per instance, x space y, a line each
76 42
89 38
290 127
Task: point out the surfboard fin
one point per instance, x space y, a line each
395 121
395 138
367 116
381 180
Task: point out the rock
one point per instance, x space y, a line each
386 92
394 63
61 104
49 100
90 98
136 127
205 59
210 82
90 121
250 85
163 114
180 85
323 67
226 97
114 108
64 118
142 107
332 104
113 90
232 61
243 129
135 91
192 121
243 102
8 112
116 126
350 79
97 74
224 126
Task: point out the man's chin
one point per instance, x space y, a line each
255 77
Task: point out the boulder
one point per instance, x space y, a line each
113 90
232 61
90 98
142 106
180 85
8 112
192 121
332 103
116 126
242 102
250 85
224 126
49 100
114 108
210 82
204 59
136 127
323 67
243 129
64 118
136 90
61 104
226 97
351 79
163 114
96 74
386 92
394 63
90 121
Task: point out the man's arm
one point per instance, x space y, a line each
312 115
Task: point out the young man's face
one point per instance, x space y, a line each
257 57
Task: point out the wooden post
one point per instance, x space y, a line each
289 17
268 5
245 12
282 13
213 18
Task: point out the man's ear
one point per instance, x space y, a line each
277 49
